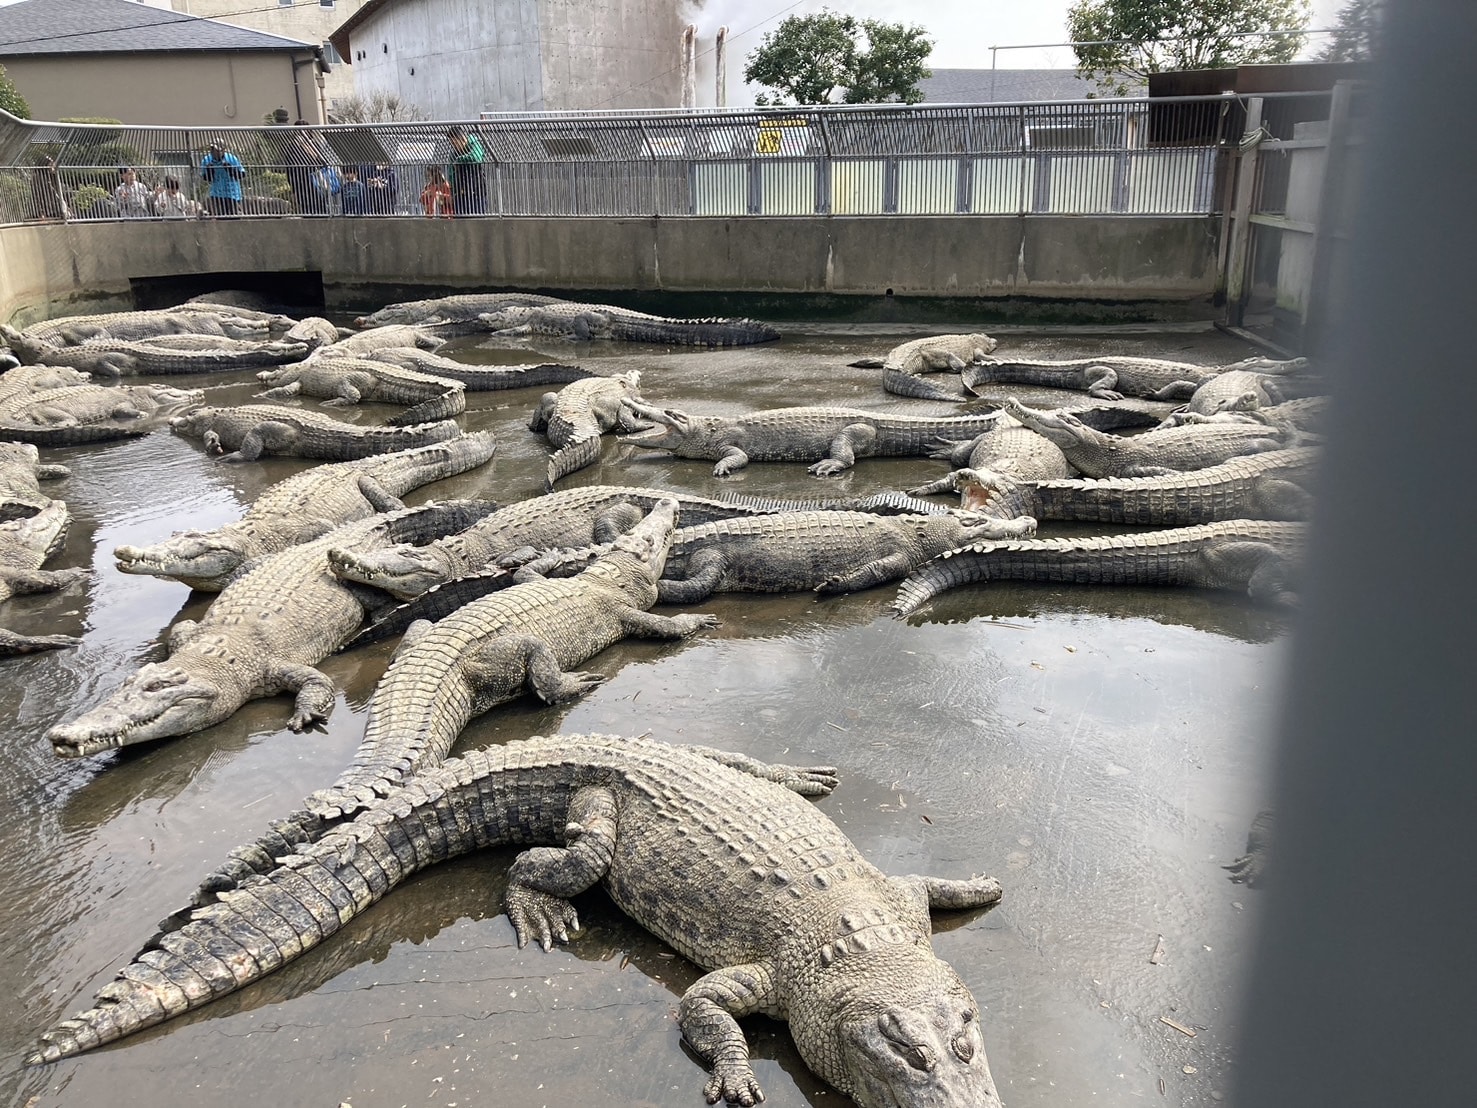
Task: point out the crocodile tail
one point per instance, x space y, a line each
899 383
252 859
452 402
70 436
572 457
867 363
939 575
694 332
270 920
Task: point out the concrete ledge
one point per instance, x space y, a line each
1096 261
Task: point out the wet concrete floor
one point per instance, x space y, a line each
1101 751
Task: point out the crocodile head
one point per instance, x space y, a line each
671 429
1062 428
194 422
409 311
199 555
644 547
159 700
403 571
506 317
909 1037
27 349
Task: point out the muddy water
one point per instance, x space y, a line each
1101 751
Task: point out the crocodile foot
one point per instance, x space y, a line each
733 1082
806 780
538 915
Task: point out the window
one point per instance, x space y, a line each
330 55
325 3
284 3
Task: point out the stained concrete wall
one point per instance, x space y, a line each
1168 262
455 58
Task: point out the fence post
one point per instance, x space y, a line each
1239 258
1330 193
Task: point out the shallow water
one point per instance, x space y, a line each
1101 751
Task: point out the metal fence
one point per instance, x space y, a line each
1093 157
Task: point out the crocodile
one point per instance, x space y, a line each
315 332
904 365
832 438
483 378
196 319
38 378
459 308
577 415
303 508
524 638
1254 555
350 380
252 430
829 552
88 413
714 853
1096 453
1112 377
163 355
1251 867
25 546
584 322
365 343
21 470
577 517
261 637
1270 485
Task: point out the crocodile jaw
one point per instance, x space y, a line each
159 700
404 572
669 429
190 554
649 541
917 1047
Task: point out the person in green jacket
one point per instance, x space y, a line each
464 171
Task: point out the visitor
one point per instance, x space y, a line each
436 196
464 171
383 189
302 159
171 203
131 195
352 193
328 183
48 201
224 172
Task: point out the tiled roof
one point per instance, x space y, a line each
115 26
1006 86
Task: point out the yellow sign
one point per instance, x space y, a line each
783 136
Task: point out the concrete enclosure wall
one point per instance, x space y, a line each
206 88
51 268
455 58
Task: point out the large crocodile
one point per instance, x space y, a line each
25 545
525 638
905 364
577 415
483 378
577 517
825 551
1251 555
302 508
1100 454
20 471
584 322
261 637
831 438
167 354
195 319
714 853
87 413
252 430
351 379
1109 378
458 308
1269 485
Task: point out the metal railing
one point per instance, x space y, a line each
1092 157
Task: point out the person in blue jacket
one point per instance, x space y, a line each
224 172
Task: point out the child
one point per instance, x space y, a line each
351 195
436 196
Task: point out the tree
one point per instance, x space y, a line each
1153 36
826 57
1356 38
10 98
378 107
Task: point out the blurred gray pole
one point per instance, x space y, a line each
1363 990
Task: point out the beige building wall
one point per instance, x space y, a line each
216 88
305 20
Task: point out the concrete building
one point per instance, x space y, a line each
306 20
1008 86
456 58
122 60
